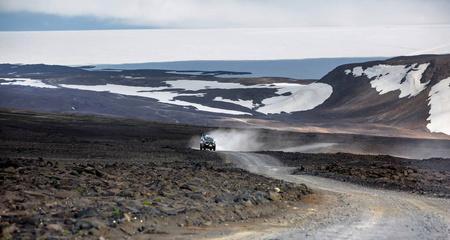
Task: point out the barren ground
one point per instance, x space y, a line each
66 176
91 177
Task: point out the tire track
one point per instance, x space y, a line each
372 213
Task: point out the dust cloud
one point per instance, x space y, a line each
254 140
237 140
314 147
243 140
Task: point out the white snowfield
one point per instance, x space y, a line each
388 78
26 82
245 103
302 98
406 79
155 93
439 97
297 97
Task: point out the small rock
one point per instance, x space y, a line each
274 196
126 193
207 223
8 231
127 217
85 213
84 225
224 198
248 203
55 227
260 197
9 170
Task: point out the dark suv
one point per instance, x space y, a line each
207 142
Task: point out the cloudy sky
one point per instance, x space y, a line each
118 14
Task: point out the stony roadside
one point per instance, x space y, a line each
429 176
70 177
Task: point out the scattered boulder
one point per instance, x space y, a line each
274 196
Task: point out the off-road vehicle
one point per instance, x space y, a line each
207 143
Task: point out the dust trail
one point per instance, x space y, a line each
243 140
237 140
315 147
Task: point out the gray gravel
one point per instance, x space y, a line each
356 213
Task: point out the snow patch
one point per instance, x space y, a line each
155 93
28 82
196 73
196 85
439 99
388 78
244 103
302 98
357 71
291 97
133 77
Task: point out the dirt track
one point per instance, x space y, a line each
364 213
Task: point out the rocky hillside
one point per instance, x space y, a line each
406 92
407 96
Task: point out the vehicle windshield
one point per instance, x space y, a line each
208 139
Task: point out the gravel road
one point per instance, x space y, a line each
356 213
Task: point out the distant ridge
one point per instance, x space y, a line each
402 96
313 68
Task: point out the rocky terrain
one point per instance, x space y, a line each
429 176
397 97
64 177
68 176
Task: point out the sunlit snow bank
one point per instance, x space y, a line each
298 97
302 98
26 82
244 103
388 78
439 97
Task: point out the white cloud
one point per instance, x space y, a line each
162 45
243 13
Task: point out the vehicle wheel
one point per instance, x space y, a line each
201 148
214 149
